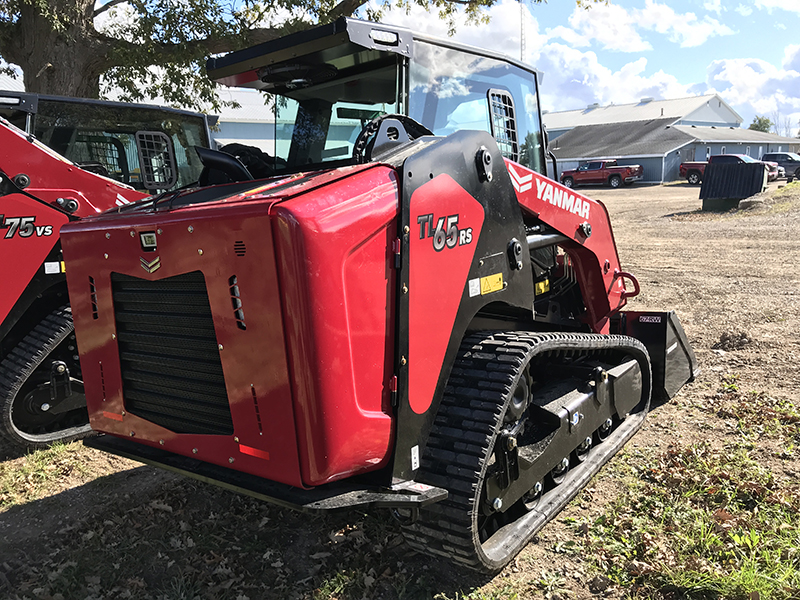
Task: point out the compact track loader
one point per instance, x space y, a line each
407 314
62 159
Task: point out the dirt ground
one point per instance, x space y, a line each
125 531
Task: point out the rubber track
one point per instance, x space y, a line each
461 441
21 363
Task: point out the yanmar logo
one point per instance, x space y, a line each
152 266
547 192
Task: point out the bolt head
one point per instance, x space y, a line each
220 346
108 236
194 450
537 488
511 443
133 234
190 229
236 439
132 433
161 442
406 229
497 504
113 336
45 407
200 251
159 231
61 368
105 256
231 459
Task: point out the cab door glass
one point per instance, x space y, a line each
452 89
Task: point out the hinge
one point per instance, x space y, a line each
393 389
396 246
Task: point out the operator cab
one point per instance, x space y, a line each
326 84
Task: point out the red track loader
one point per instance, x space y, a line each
87 156
406 314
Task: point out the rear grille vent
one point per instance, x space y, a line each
236 301
239 248
93 297
169 355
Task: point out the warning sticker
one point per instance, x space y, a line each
474 287
491 283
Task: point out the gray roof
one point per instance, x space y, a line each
734 134
635 138
10 84
645 109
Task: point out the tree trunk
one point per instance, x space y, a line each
68 62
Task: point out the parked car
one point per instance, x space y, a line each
602 172
775 170
693 171
790 161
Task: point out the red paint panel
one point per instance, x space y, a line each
335 262
52 176
566 210
252 360
28 232
437 279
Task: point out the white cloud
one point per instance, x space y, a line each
756 87
685 29
744 10
610 25
575 76
713 6
770 5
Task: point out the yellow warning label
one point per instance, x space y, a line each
63 267
541 287
491 283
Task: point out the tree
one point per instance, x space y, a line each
761 124
152 48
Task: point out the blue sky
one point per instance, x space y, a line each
748 51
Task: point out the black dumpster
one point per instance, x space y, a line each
724 185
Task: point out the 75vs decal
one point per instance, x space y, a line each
445 232
24 227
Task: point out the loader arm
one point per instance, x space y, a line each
588 240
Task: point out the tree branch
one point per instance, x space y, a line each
345 8
160 53
107 6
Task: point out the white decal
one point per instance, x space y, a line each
415 458
558 196
520 183
122 201
474 287
649 319
52 268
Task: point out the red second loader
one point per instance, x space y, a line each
407 314
62 159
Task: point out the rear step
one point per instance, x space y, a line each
333 496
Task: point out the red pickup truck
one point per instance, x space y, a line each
693 171
602 172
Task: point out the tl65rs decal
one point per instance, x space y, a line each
445 233
24 227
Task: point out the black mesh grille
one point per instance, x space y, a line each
169 357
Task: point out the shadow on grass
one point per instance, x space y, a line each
144 533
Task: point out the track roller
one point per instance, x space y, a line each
516 407
41 393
